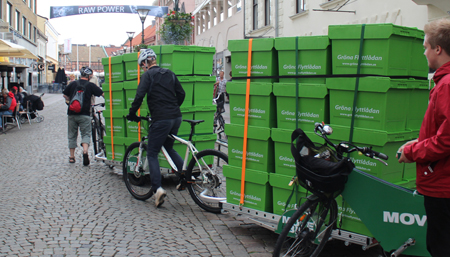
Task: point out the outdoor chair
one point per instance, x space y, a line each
12 119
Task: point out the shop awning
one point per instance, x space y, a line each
4 61
200 7
8 49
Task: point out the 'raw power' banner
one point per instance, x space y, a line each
62 11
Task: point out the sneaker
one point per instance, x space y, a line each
85 159
160 194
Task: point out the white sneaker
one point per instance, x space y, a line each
160 194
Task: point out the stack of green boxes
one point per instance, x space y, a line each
311 56
261 118
193 67
389 111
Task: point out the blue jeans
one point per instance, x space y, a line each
7 112
158 137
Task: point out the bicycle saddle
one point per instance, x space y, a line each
194 122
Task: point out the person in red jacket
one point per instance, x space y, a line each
8 106
431 151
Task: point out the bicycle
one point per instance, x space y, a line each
202 176
219 121
98 131
306 230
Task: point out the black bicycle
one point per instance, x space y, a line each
219 121
98 131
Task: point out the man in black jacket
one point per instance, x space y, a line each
164 97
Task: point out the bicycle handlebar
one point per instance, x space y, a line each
343 147
100 104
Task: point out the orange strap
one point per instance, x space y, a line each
247 101
110 107
139 110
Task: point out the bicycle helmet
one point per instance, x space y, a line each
86 72
145 54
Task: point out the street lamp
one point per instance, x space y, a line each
130 37
142 14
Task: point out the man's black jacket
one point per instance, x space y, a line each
164 94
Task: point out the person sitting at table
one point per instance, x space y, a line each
8 106
18 96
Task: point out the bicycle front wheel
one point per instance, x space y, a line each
135 176
205 180
94 125
308 229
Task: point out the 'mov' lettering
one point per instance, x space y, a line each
404 218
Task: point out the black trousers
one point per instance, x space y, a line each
438 226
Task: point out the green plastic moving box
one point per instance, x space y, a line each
264 58
282 192
380 141
117 95
259 147
284 161
177 58
203 58
388 50
313 105
262 105
203 90
187 82
257 194
118 69
382 103
314 58
131 66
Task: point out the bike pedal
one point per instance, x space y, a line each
181 187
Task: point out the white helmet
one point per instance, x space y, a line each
145 54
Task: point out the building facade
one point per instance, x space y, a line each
20 15
217 22
52 64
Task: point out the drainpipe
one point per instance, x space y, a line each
276 18
243 9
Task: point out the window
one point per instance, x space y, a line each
9 14
267 7
300 6
29 30
34 35
24 26
17 20
30 4
1 9
255 14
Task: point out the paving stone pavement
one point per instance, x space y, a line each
52 208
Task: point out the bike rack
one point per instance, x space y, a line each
366 242
100 157
264 219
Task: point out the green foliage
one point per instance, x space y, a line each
139 47
177 28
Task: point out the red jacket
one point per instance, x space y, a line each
11 100
432 151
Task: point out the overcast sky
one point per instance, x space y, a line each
93 29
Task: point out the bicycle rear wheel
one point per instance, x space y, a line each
308 229
135 177
205 180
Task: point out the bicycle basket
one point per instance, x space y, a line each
317 167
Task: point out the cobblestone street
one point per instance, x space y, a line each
52 208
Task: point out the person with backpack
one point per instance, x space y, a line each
164 98
78 97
